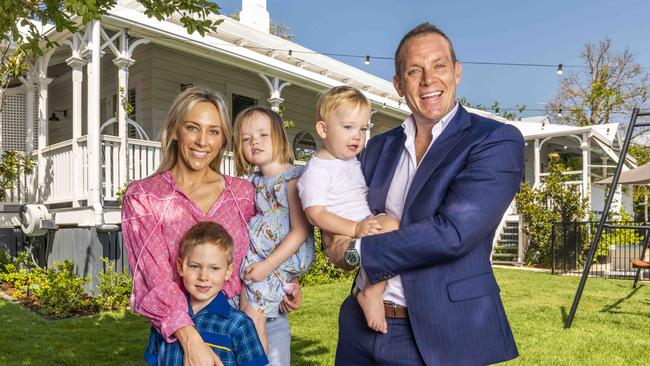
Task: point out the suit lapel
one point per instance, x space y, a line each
385 168
437 153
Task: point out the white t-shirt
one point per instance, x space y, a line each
336 184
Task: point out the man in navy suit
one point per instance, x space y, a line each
448 176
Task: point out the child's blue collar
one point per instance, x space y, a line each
219 306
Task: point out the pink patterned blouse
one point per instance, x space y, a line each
155 215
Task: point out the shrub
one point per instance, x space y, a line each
62 292
618 237
5 259
22 277
322 271
113 288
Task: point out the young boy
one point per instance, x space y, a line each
205 264
333 190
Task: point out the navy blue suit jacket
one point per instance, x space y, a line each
458 196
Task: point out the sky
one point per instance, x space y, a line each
509 31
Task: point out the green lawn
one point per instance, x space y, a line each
612 327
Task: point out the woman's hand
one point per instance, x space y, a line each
195 351
292 301
258 271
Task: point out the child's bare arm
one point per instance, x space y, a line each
243 302
335 224
296 236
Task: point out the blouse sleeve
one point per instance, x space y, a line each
156 295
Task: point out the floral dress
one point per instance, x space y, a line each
267 229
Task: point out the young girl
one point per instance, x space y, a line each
282 244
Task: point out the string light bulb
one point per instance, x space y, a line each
290 53
367 61
559 71
559 113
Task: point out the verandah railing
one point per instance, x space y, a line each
63 184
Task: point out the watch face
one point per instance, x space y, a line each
352 257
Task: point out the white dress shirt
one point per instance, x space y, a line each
407 166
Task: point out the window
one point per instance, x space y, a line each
304 146
241 102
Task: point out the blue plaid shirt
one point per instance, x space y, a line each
229 332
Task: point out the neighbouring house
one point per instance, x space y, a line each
91 110
590 153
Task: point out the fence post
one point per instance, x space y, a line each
553 248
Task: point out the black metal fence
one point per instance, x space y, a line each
570 243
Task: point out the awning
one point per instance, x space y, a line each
640 175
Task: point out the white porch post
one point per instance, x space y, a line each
370 126
29 111
586 170
275 89
537 163
76 63
43 83
123 63
94 143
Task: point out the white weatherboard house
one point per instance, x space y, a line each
70 114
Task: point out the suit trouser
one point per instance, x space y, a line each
360 345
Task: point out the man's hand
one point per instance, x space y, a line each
292 301
195 351
335 248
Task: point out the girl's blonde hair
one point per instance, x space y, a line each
184 103
281 150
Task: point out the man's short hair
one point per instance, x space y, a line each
338 96
206 232
421 30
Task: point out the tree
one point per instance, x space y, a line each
513 114
13 165
21 22
612 84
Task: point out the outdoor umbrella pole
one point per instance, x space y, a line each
603 218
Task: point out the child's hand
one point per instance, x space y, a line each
257 271
387 223
367 226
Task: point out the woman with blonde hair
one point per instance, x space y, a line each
187 188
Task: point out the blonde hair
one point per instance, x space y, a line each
340 95
184 103
282 152
206 232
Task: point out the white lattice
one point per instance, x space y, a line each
14 118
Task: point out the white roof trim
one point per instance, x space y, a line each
380 91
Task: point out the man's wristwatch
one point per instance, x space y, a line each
352 257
